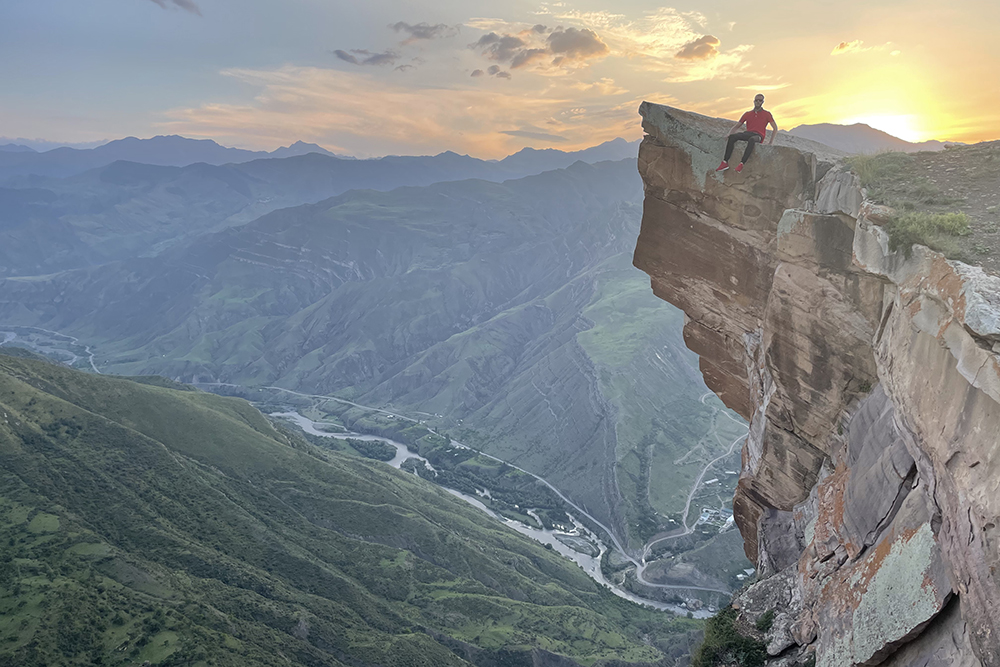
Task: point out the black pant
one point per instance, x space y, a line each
752 139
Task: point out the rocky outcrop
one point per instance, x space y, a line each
868 497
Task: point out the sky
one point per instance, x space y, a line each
487 78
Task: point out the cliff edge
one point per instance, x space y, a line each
869 495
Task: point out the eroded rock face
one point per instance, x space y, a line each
869 492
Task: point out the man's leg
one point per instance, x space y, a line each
731 143
752 141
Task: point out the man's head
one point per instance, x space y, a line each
758 102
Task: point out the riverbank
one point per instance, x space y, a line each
591 564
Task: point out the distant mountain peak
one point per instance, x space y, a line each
17 148
302 148
860 138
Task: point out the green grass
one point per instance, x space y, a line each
894 179
877 170
766 620
43 523
140 523
937 231
724 645
380 451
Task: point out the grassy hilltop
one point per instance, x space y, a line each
140 522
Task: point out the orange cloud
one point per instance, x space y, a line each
354 112
764 87
665 40
604 86
703 48
853 46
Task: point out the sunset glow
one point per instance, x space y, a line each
484 78
898 126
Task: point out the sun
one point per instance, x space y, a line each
900 126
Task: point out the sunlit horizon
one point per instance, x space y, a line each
479 79
899 127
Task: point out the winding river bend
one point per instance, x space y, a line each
589 563
54 337
639 563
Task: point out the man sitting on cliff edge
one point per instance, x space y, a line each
756 121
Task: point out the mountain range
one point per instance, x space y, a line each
510 308
16 148
127 209
175 151
165 151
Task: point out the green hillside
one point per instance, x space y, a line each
140 522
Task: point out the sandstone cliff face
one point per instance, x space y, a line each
869 492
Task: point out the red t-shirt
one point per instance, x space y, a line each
757 121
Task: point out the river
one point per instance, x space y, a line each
590 564
53 338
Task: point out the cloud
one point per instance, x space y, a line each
764 87
858 46
603 86
544 48
703 48
600 19
367 57
346 57
573 44
528 134
187 5
497 71
527 56
503 48
853 46
492 70
653 41
421 31
353 111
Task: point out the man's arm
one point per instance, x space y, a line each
774 132
739 124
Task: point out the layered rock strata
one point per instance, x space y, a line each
869 492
